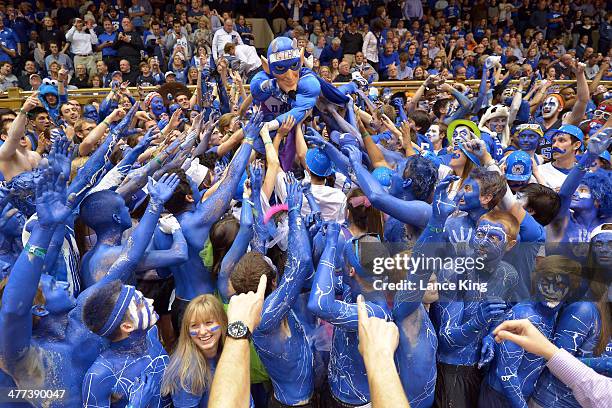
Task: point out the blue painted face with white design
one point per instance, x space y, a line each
489 240
582 199
528 141
553 288
141 312
57 295
469 195
602 250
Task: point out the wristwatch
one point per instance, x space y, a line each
238 330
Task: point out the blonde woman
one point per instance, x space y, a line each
189 374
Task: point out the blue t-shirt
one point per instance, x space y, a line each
8 39
108 51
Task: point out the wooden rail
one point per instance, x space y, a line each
16 96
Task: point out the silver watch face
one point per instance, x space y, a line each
237 330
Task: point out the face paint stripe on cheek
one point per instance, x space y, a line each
214 328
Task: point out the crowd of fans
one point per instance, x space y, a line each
151 43
213 247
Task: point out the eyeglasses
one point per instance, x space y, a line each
602 114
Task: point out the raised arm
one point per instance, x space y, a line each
298 267
238 248
17 129
582 94
322 301
133 251
213 207
415 213
260 233
19 293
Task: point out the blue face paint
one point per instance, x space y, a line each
490 240
602 250
157 106
396 188
553 288
582 199
214 328
528 141
57 295
193 333
470 196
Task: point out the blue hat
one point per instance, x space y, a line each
318 162
343 139
606 156
570 130
282 56
383 175
518 166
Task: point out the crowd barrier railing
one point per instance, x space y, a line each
13 98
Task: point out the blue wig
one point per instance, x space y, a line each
424 176
600 184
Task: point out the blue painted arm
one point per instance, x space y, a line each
162 258
106 107
414 212
21 287
482 91
211 209
465 106
125 266
260 233
223 98
95 167
574 325
322 301
511 356
237 250
401 113
298 266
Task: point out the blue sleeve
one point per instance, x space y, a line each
308 91
531 230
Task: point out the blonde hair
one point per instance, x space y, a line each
188 369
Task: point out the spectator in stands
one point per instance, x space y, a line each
352 42
82 39
56 56
331 51
224 36
106 40
246 55
80 78
344 72
127 73
129 44
7 78
386 58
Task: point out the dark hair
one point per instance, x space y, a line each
99 306
366 218
222 235
543 201
36 111
490 182
421 119
247 272
178 203
424 177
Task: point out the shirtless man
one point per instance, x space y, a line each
16 155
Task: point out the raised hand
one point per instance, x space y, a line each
146 140
61 155
286 126
52 206
314 138
306 188
330 231
487 351
442 205
253 127
161 191
398 103
294 193
31 102
476 146
256 168
526 335
353 153
599 143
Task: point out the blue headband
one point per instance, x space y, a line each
115 318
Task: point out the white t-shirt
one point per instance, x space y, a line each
552 177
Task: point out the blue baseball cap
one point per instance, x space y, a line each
606 156
318 162
383 175
518 166
570 130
